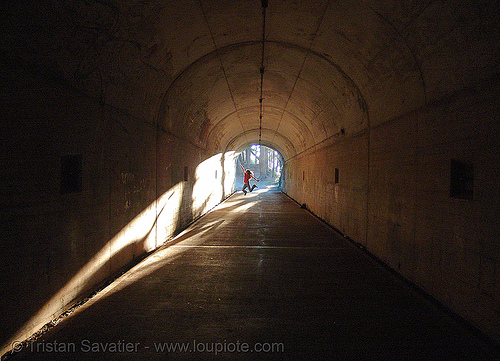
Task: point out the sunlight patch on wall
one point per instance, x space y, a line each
168 206
139 234
207 189
214 180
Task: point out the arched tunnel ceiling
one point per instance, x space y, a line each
330 67
307 93
217 98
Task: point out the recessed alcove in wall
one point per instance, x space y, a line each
461 179
71 173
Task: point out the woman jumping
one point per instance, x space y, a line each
248 175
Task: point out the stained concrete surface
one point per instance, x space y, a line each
259 278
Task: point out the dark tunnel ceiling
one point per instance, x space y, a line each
332 68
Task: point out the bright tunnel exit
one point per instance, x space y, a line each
264 162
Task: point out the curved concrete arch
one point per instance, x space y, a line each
301 130
265 144
376 55
210 68
284 146
408 46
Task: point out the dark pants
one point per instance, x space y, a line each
247 185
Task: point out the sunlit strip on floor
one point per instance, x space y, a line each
258 247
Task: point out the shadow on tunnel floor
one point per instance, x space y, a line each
259 278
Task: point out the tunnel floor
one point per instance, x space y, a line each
259 278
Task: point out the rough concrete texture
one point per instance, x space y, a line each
393 197
147 94
259 278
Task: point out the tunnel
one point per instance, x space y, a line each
123 120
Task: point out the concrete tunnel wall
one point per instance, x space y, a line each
393 198
386 95
140 186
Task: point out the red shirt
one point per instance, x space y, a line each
247 178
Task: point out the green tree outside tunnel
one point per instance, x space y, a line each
265 162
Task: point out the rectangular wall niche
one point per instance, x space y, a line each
461 180
336 175
71 174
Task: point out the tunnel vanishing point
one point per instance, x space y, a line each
122 121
